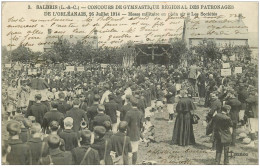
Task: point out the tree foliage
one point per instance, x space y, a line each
178 51
209 50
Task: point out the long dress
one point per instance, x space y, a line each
183 130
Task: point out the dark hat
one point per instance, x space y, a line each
226 108
38 96
122 125
53 140
134 101
85 135
54 104
101 107
54 124
96 97
13 127
100 130
111 96
128 97
27 123
107 124
106 86
76 102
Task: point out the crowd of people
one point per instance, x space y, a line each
100 115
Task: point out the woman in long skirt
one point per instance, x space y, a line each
183 130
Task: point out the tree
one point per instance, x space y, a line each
5 54
208 50
22 54
178 50
62 50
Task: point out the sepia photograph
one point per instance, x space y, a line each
129 83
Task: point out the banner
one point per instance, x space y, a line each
8 65
104 65
29 72
226 65
69 68
238 70
17 67
81 68
232 58
225 72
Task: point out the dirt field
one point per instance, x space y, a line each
200 154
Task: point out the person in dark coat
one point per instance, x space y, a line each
215 106
120 141
108 126
69 136
38 147
201 82
101 117
25 134
77 114
141 103
222 124
18 153
63 106
54 128
92 111
78 153
102 145
183 134
56 156
209 89
37 110
111 109
134 118
125 108
53 115
234 114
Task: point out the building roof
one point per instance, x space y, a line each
216 29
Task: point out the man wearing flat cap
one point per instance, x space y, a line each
53 115
111 109
222 124
93 111
121 141
37 110
77 114
102 145
54 128
125 107
101 117
85 155
56 156
234 113
18 153
134 118
37 146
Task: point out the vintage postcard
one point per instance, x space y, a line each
129 83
